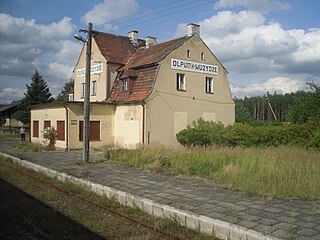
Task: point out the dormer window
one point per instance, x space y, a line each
188 53
124 84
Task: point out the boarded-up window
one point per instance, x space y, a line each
60 130
46 124
94 134
35 129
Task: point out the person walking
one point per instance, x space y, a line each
23 134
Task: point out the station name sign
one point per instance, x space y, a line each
94 69
193 66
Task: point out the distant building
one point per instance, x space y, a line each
6 112
142 92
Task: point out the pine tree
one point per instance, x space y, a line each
67 89
38 92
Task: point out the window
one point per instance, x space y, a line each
181 82
83 87
124 85
46 124
209 85
94 134
188 53
94 88
60 130
202 56
35 129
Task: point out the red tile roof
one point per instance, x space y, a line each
144 63
116 48
155 53
140 63
141 88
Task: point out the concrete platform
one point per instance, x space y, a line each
195 204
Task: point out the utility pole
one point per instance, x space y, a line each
269 104
86 113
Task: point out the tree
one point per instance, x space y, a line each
305 106
242 115
67 89
38 92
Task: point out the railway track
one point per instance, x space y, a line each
163 234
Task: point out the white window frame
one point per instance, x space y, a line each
83 89
181 82
124 85
209 85
94 88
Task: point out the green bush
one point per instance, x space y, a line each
205 133
201 133
315 140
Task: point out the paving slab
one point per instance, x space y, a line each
278 219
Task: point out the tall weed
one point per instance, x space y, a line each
285 172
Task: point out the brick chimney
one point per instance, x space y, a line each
193 29
150 41
133 35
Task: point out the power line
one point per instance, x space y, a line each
246 87
172 109
165 15
131 17
194 98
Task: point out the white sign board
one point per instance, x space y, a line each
193 66
94 69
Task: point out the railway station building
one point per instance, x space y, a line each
141 92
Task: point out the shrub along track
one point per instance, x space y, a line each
143 225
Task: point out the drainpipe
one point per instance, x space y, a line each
143 122
109 87
30 125
67 127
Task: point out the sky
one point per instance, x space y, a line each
266 45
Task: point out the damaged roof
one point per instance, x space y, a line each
143 65
116 48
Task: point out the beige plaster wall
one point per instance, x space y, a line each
168 110
101 78
98 112
128 127
13 123
52 114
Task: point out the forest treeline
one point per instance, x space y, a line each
298 107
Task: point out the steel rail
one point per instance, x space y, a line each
138 223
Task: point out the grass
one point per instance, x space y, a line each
9 136
283 172
87 222
29 147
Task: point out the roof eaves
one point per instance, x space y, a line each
214 55
186 38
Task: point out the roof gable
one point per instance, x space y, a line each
116 48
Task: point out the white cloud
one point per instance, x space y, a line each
248 45
245 43
7 95
26 46
263 6
110 10
280 84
